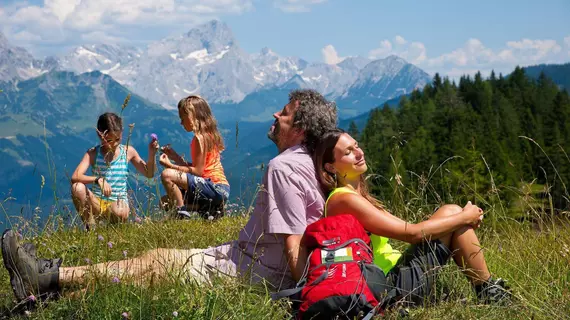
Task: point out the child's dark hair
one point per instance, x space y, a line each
109 122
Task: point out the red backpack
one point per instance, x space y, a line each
340 279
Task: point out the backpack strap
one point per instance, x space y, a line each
382 304
287 293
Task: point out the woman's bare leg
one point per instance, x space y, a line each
464 244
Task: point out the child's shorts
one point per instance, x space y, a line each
206 194
104 205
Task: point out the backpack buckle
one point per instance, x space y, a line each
330 242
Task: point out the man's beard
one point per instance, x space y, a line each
272 134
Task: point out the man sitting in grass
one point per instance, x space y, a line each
268 247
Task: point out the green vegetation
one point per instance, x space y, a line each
449 144
486 137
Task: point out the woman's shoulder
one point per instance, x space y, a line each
341 202
343 194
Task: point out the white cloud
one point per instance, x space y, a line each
400 40
414 52
100 37
384 50
295 6
330 56
69 22
25 36
474 56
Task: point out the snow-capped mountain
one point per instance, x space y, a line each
379 81
17 63
209 61
102 57
272 69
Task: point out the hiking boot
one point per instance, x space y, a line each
493 291
31 279
186 215
30 249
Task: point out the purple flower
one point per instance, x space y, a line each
100 238
87 260
110 245
116 280
175 314
32 298
138 220
125 253
154 136
125 315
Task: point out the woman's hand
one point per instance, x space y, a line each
474 215
165 161
105 187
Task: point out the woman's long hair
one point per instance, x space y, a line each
324 153
204 123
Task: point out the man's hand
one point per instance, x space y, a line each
296 255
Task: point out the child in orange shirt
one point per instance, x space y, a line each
204 182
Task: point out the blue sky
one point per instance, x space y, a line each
450 37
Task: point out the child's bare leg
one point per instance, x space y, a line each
157 263
173 180
119 211
85 203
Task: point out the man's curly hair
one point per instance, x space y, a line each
315 115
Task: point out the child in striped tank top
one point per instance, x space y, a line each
109 163
200 185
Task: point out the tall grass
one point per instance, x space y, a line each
533 254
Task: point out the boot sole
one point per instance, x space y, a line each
15 278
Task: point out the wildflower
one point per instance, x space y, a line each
32 298
87 260
138 220
125 315
211 218
116 280
100 238
125 253
175 314
110 245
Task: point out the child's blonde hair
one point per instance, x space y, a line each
205 126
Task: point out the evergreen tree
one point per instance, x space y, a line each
513 128
353 130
